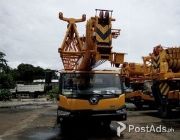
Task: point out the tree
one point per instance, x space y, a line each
3 62
6 80
54 73
39 73
15 74
26 72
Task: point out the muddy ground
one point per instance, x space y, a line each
38 122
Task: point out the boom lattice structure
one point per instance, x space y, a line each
93 49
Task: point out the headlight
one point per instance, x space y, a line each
63 113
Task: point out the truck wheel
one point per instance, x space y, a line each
106 124
64 127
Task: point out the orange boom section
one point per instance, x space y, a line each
89 51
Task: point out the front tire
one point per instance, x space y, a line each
106 124
64 127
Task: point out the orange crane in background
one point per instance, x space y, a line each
85 93
137 84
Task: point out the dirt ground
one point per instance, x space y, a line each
39 123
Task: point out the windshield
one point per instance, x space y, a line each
90 83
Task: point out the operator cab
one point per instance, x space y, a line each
78 84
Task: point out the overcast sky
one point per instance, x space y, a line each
30 31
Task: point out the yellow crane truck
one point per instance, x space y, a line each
137 85
85 93
165 75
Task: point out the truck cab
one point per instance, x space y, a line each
91 95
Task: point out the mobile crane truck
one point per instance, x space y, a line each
84 93
165 75
137 84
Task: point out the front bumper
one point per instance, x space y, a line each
109 115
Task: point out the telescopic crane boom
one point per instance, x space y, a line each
87 52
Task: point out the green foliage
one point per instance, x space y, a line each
54 73
5 95
26 72
6 81
53 93
3 63
39 73
15 74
